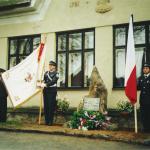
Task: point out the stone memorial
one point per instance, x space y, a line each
97 89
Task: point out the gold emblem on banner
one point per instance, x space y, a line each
17 98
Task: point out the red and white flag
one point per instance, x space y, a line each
130 68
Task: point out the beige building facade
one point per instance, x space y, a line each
55 16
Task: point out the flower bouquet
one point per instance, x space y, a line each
89 120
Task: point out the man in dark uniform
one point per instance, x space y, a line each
144 86
3 99
50 92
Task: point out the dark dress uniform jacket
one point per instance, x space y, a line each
50 79
144 86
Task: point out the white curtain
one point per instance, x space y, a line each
120 62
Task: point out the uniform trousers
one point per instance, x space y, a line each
3 109
49 95
145 116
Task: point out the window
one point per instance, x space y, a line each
75 57
20 47
9 4
142 49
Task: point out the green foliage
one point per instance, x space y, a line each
62 105
125 106
11 124
88 120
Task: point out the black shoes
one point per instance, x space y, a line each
49 124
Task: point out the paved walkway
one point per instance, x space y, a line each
123 136
35 141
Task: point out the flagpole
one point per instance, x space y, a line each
135 118
135 105
41 97
40 111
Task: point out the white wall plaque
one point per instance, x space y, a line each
91 103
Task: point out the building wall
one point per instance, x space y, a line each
61 15
3 52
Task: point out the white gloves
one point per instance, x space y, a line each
41 84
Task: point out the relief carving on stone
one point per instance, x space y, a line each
103 6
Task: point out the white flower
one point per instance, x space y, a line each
84 128
108 118
86 113
105 113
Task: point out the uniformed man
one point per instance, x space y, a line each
50 92
3 99
144 86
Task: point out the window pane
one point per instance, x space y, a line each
36 42
74 77
62 70
12 62
120 36
139 58
89 40
72 60
25 46
61 42
75 41
120 67
21 47
88 66
139 34
21 58
13 47
120 62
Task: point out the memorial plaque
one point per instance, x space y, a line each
91 104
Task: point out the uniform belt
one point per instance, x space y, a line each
53 85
